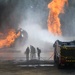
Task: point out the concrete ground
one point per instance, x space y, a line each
48 70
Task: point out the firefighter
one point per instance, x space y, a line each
27 53
33 51
38 53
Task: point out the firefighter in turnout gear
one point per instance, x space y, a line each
38 53
33 51
27 53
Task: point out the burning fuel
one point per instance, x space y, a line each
9 39
55 8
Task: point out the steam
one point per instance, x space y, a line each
37 35
32 16
12 12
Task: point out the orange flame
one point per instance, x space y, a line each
56 7
9 39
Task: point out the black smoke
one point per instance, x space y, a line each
12 12
68 19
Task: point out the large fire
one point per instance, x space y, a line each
56 7
8 39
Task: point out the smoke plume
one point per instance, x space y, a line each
32 15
